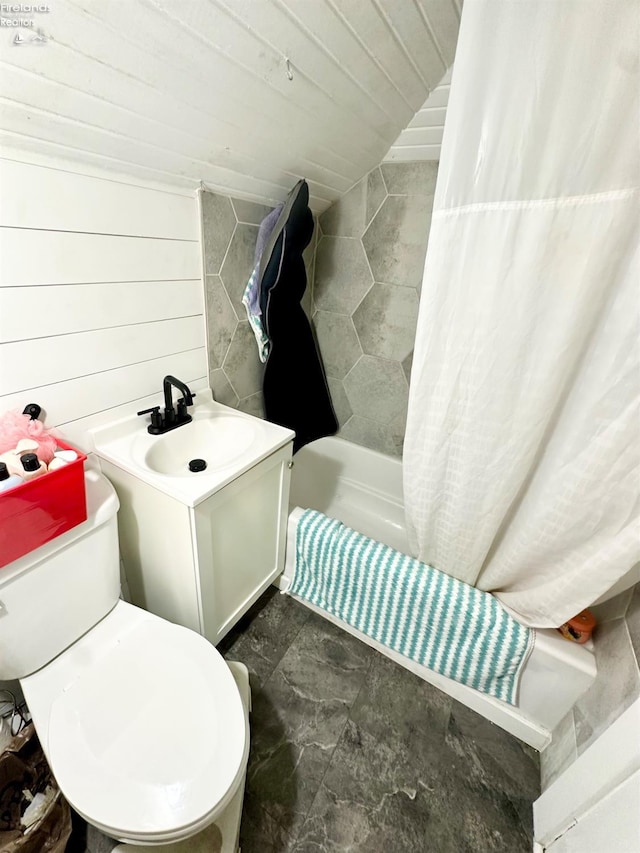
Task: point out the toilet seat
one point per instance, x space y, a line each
143 726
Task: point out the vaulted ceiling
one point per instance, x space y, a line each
422 138
244 95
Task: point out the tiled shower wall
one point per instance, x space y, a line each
369 262
229 234
617 685
364 271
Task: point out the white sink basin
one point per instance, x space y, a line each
229 441
219 439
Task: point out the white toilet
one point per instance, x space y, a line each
141 720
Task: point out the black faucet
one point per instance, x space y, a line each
172 418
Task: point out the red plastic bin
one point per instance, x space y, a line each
43 508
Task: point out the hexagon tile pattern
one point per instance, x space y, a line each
238 260
376 389
363 292
344 257
218 224
229 234
221 320
386 321
338 340
366 317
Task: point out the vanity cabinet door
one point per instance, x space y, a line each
156 548
239 537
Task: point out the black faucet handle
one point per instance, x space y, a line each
182 405
156 417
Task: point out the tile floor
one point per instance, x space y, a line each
351 752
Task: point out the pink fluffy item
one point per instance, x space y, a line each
15 426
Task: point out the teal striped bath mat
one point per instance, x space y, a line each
410 607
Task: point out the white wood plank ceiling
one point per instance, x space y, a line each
422 139
244 95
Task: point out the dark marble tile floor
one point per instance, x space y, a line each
350 752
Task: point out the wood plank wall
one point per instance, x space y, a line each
100 292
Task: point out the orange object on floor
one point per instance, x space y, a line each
579 628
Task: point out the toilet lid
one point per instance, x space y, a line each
152 735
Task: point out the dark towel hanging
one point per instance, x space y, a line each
295 388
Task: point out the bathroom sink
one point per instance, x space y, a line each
219 440
229 441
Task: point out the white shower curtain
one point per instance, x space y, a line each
521 457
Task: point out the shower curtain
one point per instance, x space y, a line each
521 456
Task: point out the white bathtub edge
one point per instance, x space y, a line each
510 719
363 489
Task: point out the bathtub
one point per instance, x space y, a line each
363 489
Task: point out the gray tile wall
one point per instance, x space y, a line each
364 271
369 262
617 686
229 234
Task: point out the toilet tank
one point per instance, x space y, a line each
55 594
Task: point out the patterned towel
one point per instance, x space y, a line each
255 319
410 607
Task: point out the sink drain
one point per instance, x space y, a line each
197 465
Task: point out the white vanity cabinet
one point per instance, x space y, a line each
203 566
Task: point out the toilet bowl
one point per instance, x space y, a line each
141 720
